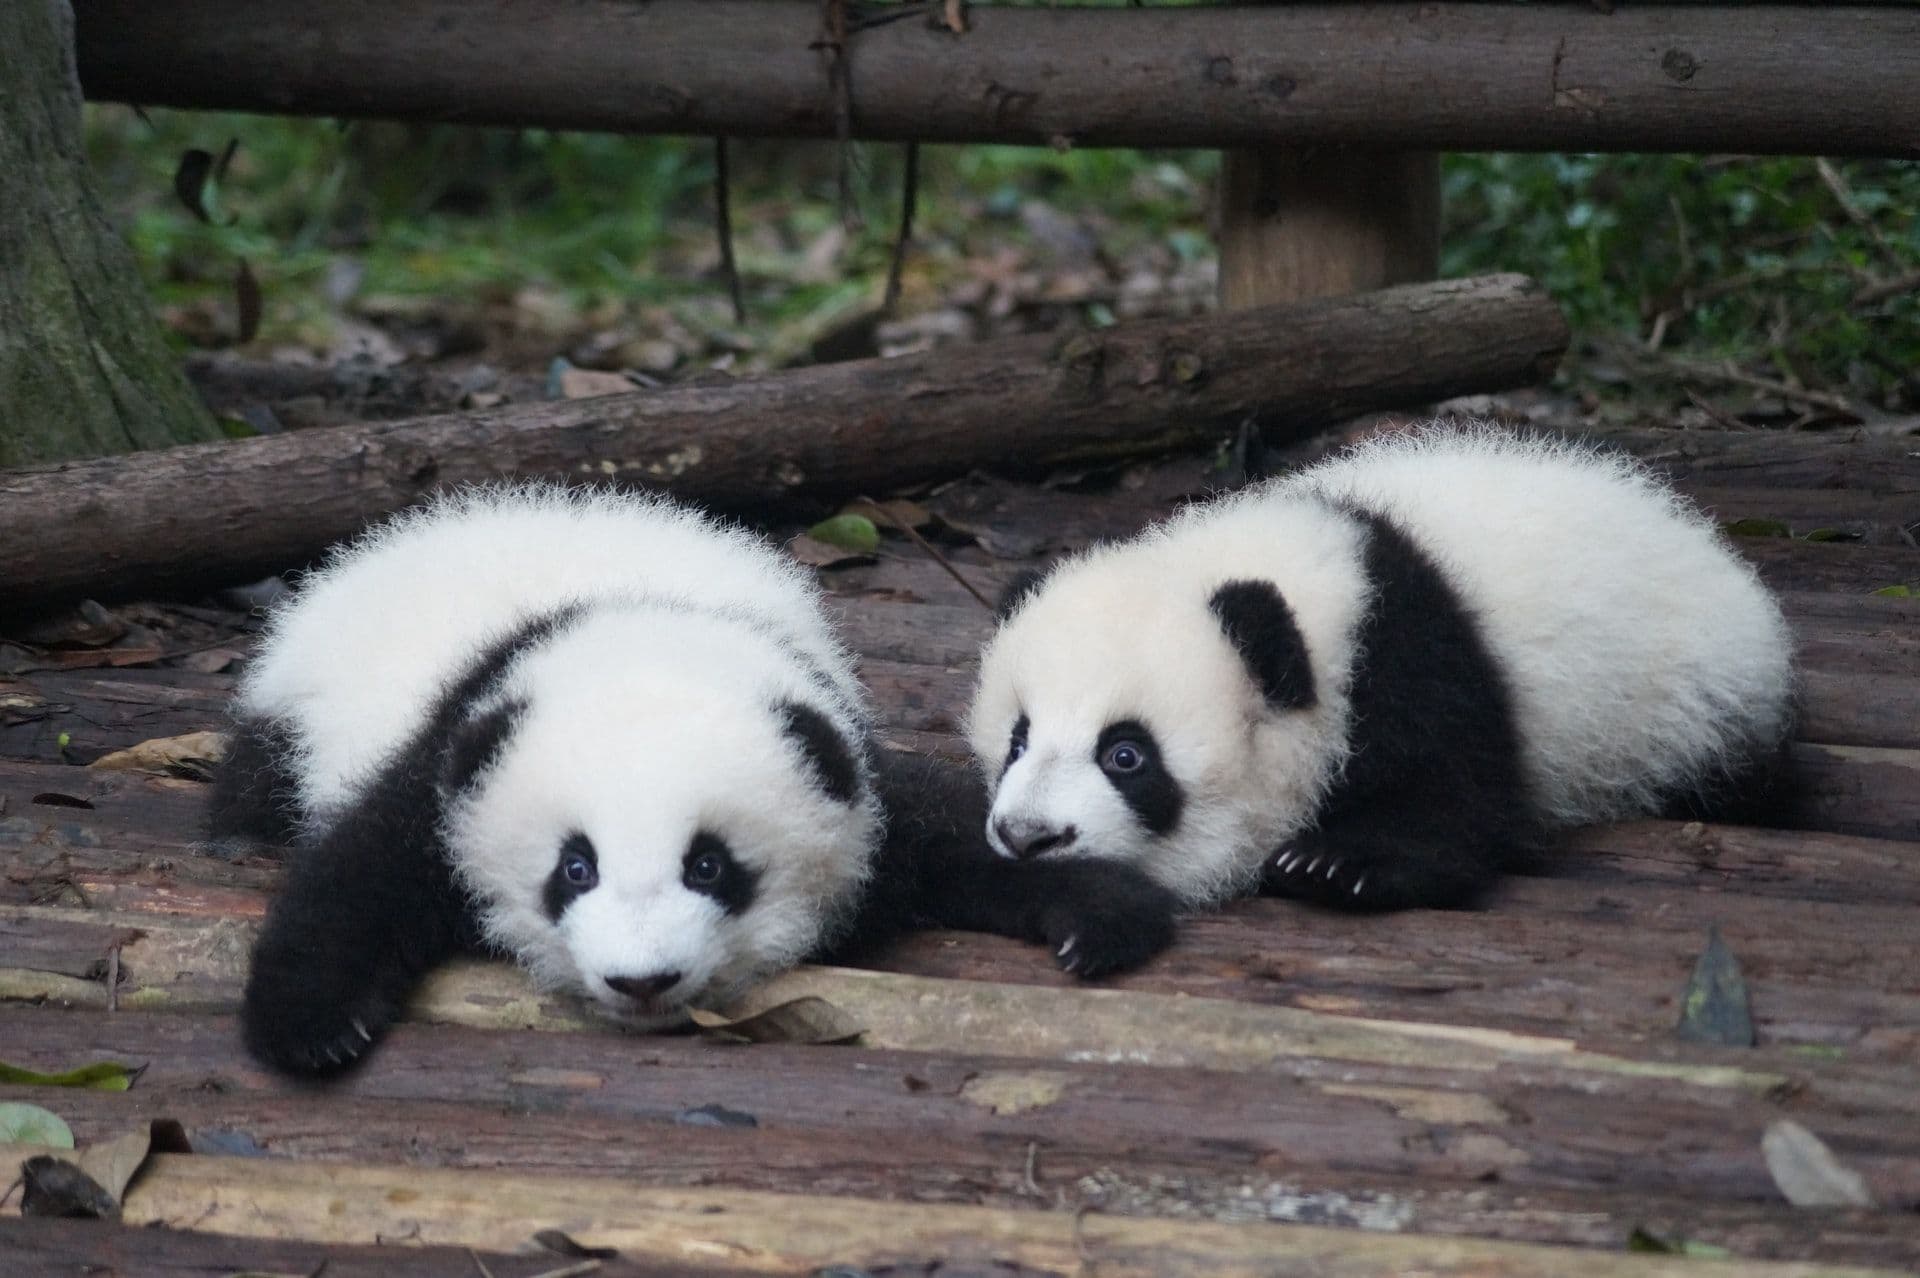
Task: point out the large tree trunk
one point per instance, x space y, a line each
83 368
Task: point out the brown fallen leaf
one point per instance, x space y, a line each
815 553
87 1184
588 383
810 1019
191 754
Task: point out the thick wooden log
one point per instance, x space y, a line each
958 1126
1821 79
39 1246
228 511
557 1130
793 1233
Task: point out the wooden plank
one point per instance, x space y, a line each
90 1247
774 1233
553 1132
1436 76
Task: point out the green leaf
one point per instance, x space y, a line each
101 1076
23 1124
1758 528
848 532
1896 592
1715 1007
1641 1240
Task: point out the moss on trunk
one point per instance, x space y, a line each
84 370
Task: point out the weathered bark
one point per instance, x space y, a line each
84 369
1296 225
225 512
1821 79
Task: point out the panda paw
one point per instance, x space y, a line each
1106 918
1369 870
300 1025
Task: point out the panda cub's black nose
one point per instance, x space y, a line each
644 987
1030 838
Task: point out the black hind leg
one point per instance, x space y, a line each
255 797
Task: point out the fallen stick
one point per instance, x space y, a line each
231 511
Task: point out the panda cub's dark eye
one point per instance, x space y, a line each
576 872
1017 743
711 869
1124 756
579 871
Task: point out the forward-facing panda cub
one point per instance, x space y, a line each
1371 683
603 734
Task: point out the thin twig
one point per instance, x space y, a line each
928 547
113 977
479 1264
1728 373
909 197
1700 402
833 39
1880 292
1029 1184
1843 195
723 228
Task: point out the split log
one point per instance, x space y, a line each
796 1233
233 510
958 1126
1803 79
553 1131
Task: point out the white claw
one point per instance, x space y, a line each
1333 867
1311 864
1362 882
1065 949
360 1029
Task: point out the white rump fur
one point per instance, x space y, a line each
1642 654
647 720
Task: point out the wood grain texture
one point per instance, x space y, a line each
1802 79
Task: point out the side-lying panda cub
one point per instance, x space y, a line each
605 735
1371 683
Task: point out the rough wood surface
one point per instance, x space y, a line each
775 1233
225 512
1820 79
1439 1082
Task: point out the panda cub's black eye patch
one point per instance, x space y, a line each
711 869
1017 742
576 872
1129 756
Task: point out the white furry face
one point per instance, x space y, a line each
1115 718
655 834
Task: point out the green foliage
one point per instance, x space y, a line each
1753 258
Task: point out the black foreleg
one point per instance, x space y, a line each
363 915
937 870
255 797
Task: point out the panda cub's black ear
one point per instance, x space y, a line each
474 743
826 751
1024 583
1260 626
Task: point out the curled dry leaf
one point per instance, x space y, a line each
88 1184
191 754
815 553
1806 1171
810 1019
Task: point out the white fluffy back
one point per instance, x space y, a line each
1643 654
356 658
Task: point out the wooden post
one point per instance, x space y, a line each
1295 225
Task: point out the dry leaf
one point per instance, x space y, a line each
588 383
192 754
815 553
113 1163
88 1184
810 1019
1806 1171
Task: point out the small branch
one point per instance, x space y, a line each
833 40
1733 376
1843 195
723 228
931 551
1873 294
909 197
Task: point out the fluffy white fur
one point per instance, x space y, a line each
1641 652
648 719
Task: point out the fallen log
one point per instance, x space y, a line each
1801 79
232 510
